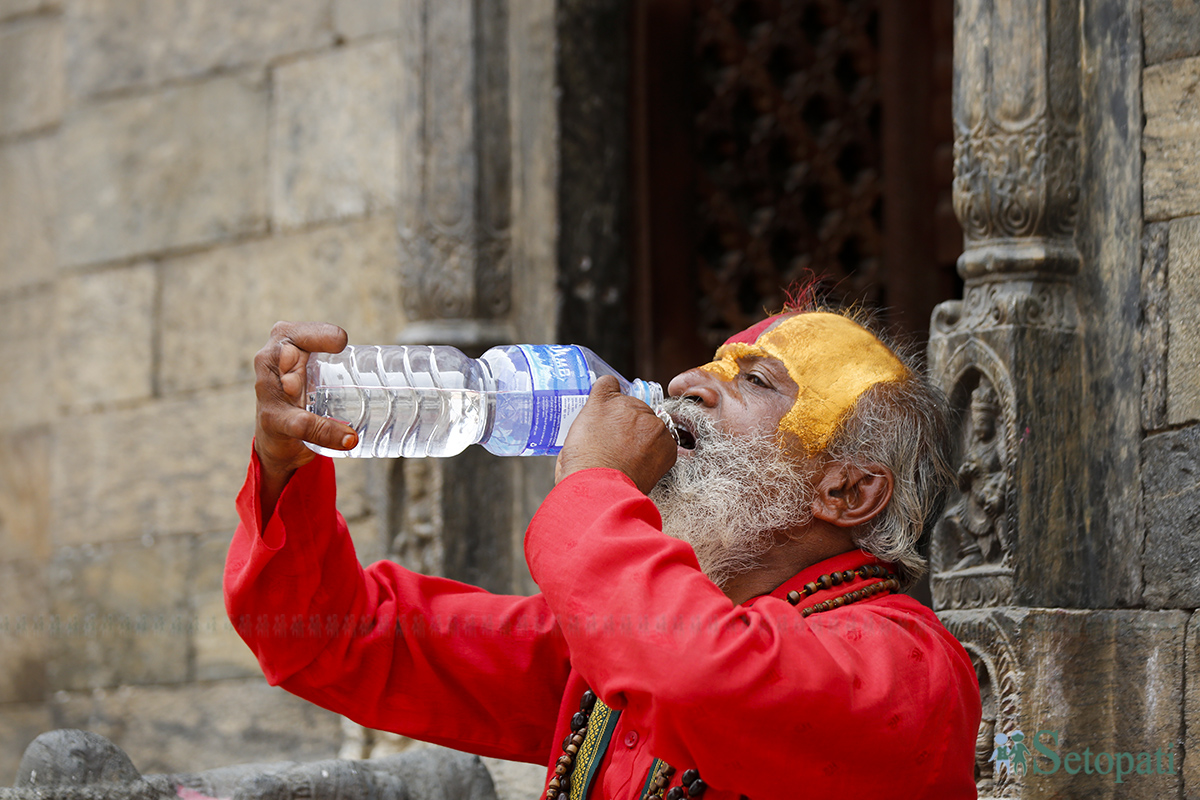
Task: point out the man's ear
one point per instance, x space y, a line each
849 495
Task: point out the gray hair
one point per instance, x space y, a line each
903 426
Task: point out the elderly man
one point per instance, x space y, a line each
722 617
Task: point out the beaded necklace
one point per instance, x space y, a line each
661 772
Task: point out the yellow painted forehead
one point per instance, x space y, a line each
832 359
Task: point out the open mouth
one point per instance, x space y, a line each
687 439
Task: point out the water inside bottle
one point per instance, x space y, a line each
405 421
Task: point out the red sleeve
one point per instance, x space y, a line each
655 638
391 649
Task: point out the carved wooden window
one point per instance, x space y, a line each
788 140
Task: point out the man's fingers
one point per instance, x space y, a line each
311 337
296 423
292 384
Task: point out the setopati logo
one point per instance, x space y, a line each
1045 754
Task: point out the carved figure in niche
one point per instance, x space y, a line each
987 740
976 520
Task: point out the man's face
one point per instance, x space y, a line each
750 399
796 379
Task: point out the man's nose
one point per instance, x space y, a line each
696 384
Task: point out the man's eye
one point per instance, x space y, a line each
756 380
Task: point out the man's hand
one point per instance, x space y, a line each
282 424
618 432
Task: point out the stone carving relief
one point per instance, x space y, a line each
994 656
978 517
973 539
1027 304
1016 182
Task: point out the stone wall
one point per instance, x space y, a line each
1170 298
176 175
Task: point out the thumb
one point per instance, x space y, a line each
604 387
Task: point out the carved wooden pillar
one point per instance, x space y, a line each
1008 355
455 229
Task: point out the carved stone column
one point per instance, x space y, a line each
1038 551
455 226
1008 355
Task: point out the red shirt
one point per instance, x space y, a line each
873 699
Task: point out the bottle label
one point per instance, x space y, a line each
561 382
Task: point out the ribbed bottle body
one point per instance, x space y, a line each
432 400
410 401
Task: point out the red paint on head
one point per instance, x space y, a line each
751 334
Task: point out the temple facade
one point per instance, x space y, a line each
177 175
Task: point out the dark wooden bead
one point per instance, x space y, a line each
577 739
565 761
793 597
676 793
588 702
848 575
555 784
689 776
579 721
835 578
560 770
566 743
697 788
825 581
668 770
809 588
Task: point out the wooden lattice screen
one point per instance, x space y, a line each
788 183
789 140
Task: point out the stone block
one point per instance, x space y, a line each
335 127
1191 714
1155 302
119 613
176 168
23 601
220 652
1171 514
105 337
514 780
25 495
222 303
203 726
31 74
19 725
1100 682
1183 337
13 8
27 213
1171 29
117 44
25 318
354 18
170 467
1171 139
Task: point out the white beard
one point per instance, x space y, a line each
731 497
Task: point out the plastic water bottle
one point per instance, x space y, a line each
434 400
